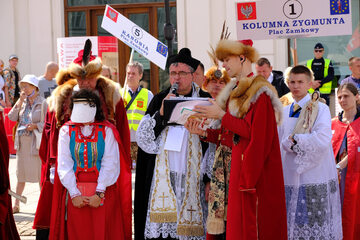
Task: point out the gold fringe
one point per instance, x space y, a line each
215 225
163 217
187 230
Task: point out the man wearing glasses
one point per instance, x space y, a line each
168 180
323 72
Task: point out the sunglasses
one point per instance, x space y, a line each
318 50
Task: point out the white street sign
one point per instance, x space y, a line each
264 19
135 37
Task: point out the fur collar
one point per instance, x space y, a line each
60 97
246 93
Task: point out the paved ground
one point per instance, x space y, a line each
24 219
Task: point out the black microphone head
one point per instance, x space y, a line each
174 88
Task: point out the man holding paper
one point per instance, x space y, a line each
169 195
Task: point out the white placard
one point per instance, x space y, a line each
68 48
264 19
174 138
135 37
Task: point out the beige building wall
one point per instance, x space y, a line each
30 29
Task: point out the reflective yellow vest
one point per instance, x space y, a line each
325 88
137 108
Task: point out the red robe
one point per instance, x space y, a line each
351 205
115 216
7 224
48 155
256 207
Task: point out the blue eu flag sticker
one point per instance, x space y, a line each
162 49
339 7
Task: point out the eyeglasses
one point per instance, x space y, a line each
181 74
318 50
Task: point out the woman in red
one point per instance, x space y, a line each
88 168
346 146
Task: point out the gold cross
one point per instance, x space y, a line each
191 210
163 199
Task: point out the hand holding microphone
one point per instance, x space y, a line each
174 88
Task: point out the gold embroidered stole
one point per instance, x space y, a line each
163 200
190 222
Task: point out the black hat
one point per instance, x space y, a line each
318 46
184 56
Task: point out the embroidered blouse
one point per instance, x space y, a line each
109 169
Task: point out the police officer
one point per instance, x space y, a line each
323 72
137 100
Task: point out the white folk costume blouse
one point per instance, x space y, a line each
176 205
310 176
110 163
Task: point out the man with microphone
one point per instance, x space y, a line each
174 164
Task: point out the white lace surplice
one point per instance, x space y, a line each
311 185
145 138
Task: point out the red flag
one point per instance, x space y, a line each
354 41
246 11
112 14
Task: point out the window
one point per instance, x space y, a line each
337 48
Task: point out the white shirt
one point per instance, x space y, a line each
310 177
271 77
110 163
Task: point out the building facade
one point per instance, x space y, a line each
30 29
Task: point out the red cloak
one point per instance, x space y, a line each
351 205
7 224
256 207
48 155
118 213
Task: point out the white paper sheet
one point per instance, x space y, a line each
174 138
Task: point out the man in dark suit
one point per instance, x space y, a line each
264 68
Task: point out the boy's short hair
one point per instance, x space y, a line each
352 60
300 69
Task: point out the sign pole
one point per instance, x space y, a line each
294 52
125 83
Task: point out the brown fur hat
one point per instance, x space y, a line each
91 70
210 74
227 48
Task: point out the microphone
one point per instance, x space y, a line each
174 88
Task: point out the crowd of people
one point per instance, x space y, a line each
264 168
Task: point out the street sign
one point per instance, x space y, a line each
135 37
264 19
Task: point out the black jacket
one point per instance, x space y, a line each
279 83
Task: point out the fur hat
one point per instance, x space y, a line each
83 67
227 48
212 74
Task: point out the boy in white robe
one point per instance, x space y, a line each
310 177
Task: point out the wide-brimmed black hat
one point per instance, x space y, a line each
184 56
